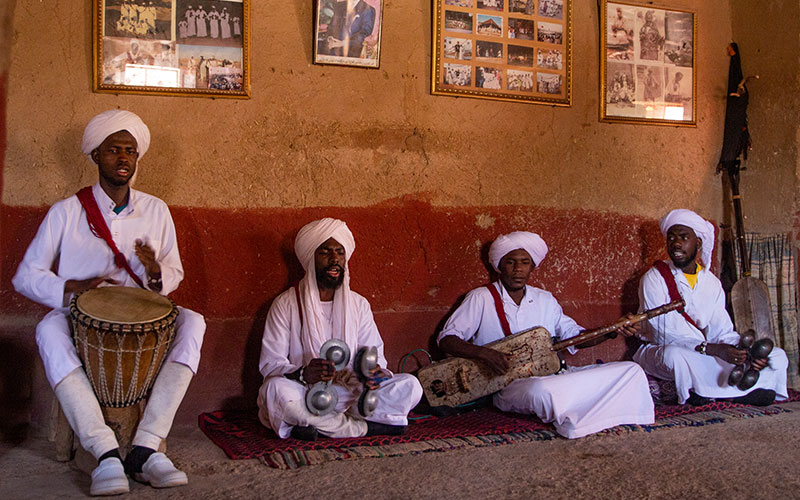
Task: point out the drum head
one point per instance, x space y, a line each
123 305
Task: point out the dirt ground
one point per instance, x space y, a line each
742 458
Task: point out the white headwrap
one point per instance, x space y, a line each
506 243
109 122
316 330
701 227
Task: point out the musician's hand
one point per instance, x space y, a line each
77 286
759 364
629 330
377 375
147 257
318 370
727 352
498 362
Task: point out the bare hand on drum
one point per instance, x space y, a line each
628 330
77 286
318 370
727 352
147 257
498 362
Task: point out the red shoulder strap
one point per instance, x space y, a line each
99 228
501 312
672 289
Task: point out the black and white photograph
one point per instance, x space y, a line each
348 32
519 55
551 8
458 48
620 89
491 5
460 22
619 32
521 29
649 84
548 83
143 19
650 34
549 58
489 51
490 25
678 28
457 74
521 81
488 78
209 23
549 32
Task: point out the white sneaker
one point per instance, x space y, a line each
160 473
109 478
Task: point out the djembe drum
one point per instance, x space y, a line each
122 336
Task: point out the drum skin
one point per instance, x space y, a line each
122 336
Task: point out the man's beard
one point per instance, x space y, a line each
326 281
685 260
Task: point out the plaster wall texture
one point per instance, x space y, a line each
337 136
769 186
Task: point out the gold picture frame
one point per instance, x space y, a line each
508 50
191 48
645 55
348 32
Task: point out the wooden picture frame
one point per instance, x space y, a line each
192 48
348 32
647 65
508 50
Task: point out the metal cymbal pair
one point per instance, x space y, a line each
321 398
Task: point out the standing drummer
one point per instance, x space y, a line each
320 308
141 228
581 401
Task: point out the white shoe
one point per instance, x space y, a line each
109 478
160 473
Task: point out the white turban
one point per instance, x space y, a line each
316 329
112 121
701 227
506 243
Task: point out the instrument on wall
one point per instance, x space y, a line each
456 381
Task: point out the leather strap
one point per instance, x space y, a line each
501 312
672 289
97 225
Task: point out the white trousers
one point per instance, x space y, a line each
708 375
59 356
584 400
281 406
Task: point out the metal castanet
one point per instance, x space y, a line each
456 381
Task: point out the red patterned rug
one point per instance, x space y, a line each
241 435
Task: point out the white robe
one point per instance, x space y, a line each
582 401
670 352
281 401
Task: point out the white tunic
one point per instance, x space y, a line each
582 401
65 243
281 401
670 351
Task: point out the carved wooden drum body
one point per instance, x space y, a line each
122 336
455 381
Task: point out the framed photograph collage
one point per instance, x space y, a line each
172 47
647 65
512 50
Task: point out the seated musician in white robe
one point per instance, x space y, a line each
322 307
141 228
581 401
699 356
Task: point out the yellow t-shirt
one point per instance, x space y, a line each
692 278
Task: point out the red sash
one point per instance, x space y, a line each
672 288
99 228
501 313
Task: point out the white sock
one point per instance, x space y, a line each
168 391
82 410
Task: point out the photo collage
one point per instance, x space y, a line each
505 49
649 63
180 44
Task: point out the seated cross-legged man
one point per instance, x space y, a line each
698 348
145 254
581 401
300 321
